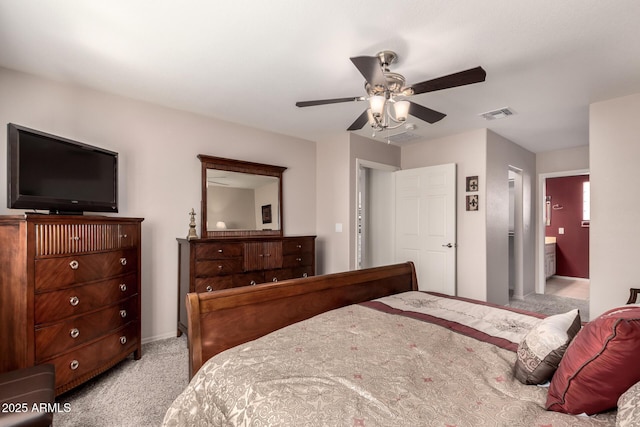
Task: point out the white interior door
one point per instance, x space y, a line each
425 225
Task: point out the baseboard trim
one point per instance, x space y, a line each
555 276
147 340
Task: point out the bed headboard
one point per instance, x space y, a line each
223 319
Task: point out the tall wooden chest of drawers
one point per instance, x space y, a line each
69 293
206 265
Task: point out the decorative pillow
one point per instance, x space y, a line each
542 348
600 364
629 408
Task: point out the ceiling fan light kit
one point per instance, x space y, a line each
387 93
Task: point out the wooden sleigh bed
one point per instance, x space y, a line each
359 348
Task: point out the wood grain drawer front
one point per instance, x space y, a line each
306 271
59 239
83 361
248 279
60 337
60 272
128 235
218 267
210 284
218 250
288 273
277 275
297 246
58 305
297 260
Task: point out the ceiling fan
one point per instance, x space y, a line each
387 92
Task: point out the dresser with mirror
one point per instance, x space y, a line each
242 241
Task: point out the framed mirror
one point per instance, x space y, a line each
240 198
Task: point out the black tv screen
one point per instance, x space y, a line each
57 174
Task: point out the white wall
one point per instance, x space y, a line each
501 155
332 192
159 172
614 150
468 151
569 159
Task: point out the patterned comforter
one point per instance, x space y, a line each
381 363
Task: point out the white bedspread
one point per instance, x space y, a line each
356 366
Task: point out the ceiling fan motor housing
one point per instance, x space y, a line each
395 85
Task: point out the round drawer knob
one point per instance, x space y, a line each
74 365
299 259
209 288
123 261
123 340
252 283
74 301
219 251
275 279
74 264
75 238
299 246
74 333
220 267
124 236
123 287
123 313
305 275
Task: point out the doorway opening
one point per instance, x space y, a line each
564 239
374 214
516 262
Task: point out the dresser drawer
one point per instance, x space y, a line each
248 279
128 235
297 260
297 246
208 284
60 337
218 267
287 273
218 250
58 305
60 272
93 357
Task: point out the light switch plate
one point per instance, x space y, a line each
338 227
561 230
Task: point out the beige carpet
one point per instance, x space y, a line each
552 304
134 393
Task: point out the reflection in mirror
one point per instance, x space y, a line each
242 201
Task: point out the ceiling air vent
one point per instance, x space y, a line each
497 114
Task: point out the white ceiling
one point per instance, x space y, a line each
250 61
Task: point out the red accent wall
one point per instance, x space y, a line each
572 247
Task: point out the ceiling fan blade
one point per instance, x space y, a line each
470 76
328 101
424 113
360 121
369 67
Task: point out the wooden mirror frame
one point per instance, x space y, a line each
219 163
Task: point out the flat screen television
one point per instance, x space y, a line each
59 175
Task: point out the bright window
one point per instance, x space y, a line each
586 201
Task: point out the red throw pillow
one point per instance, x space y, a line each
600 364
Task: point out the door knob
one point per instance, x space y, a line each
449 245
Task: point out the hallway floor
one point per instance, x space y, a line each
567 287
561 295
